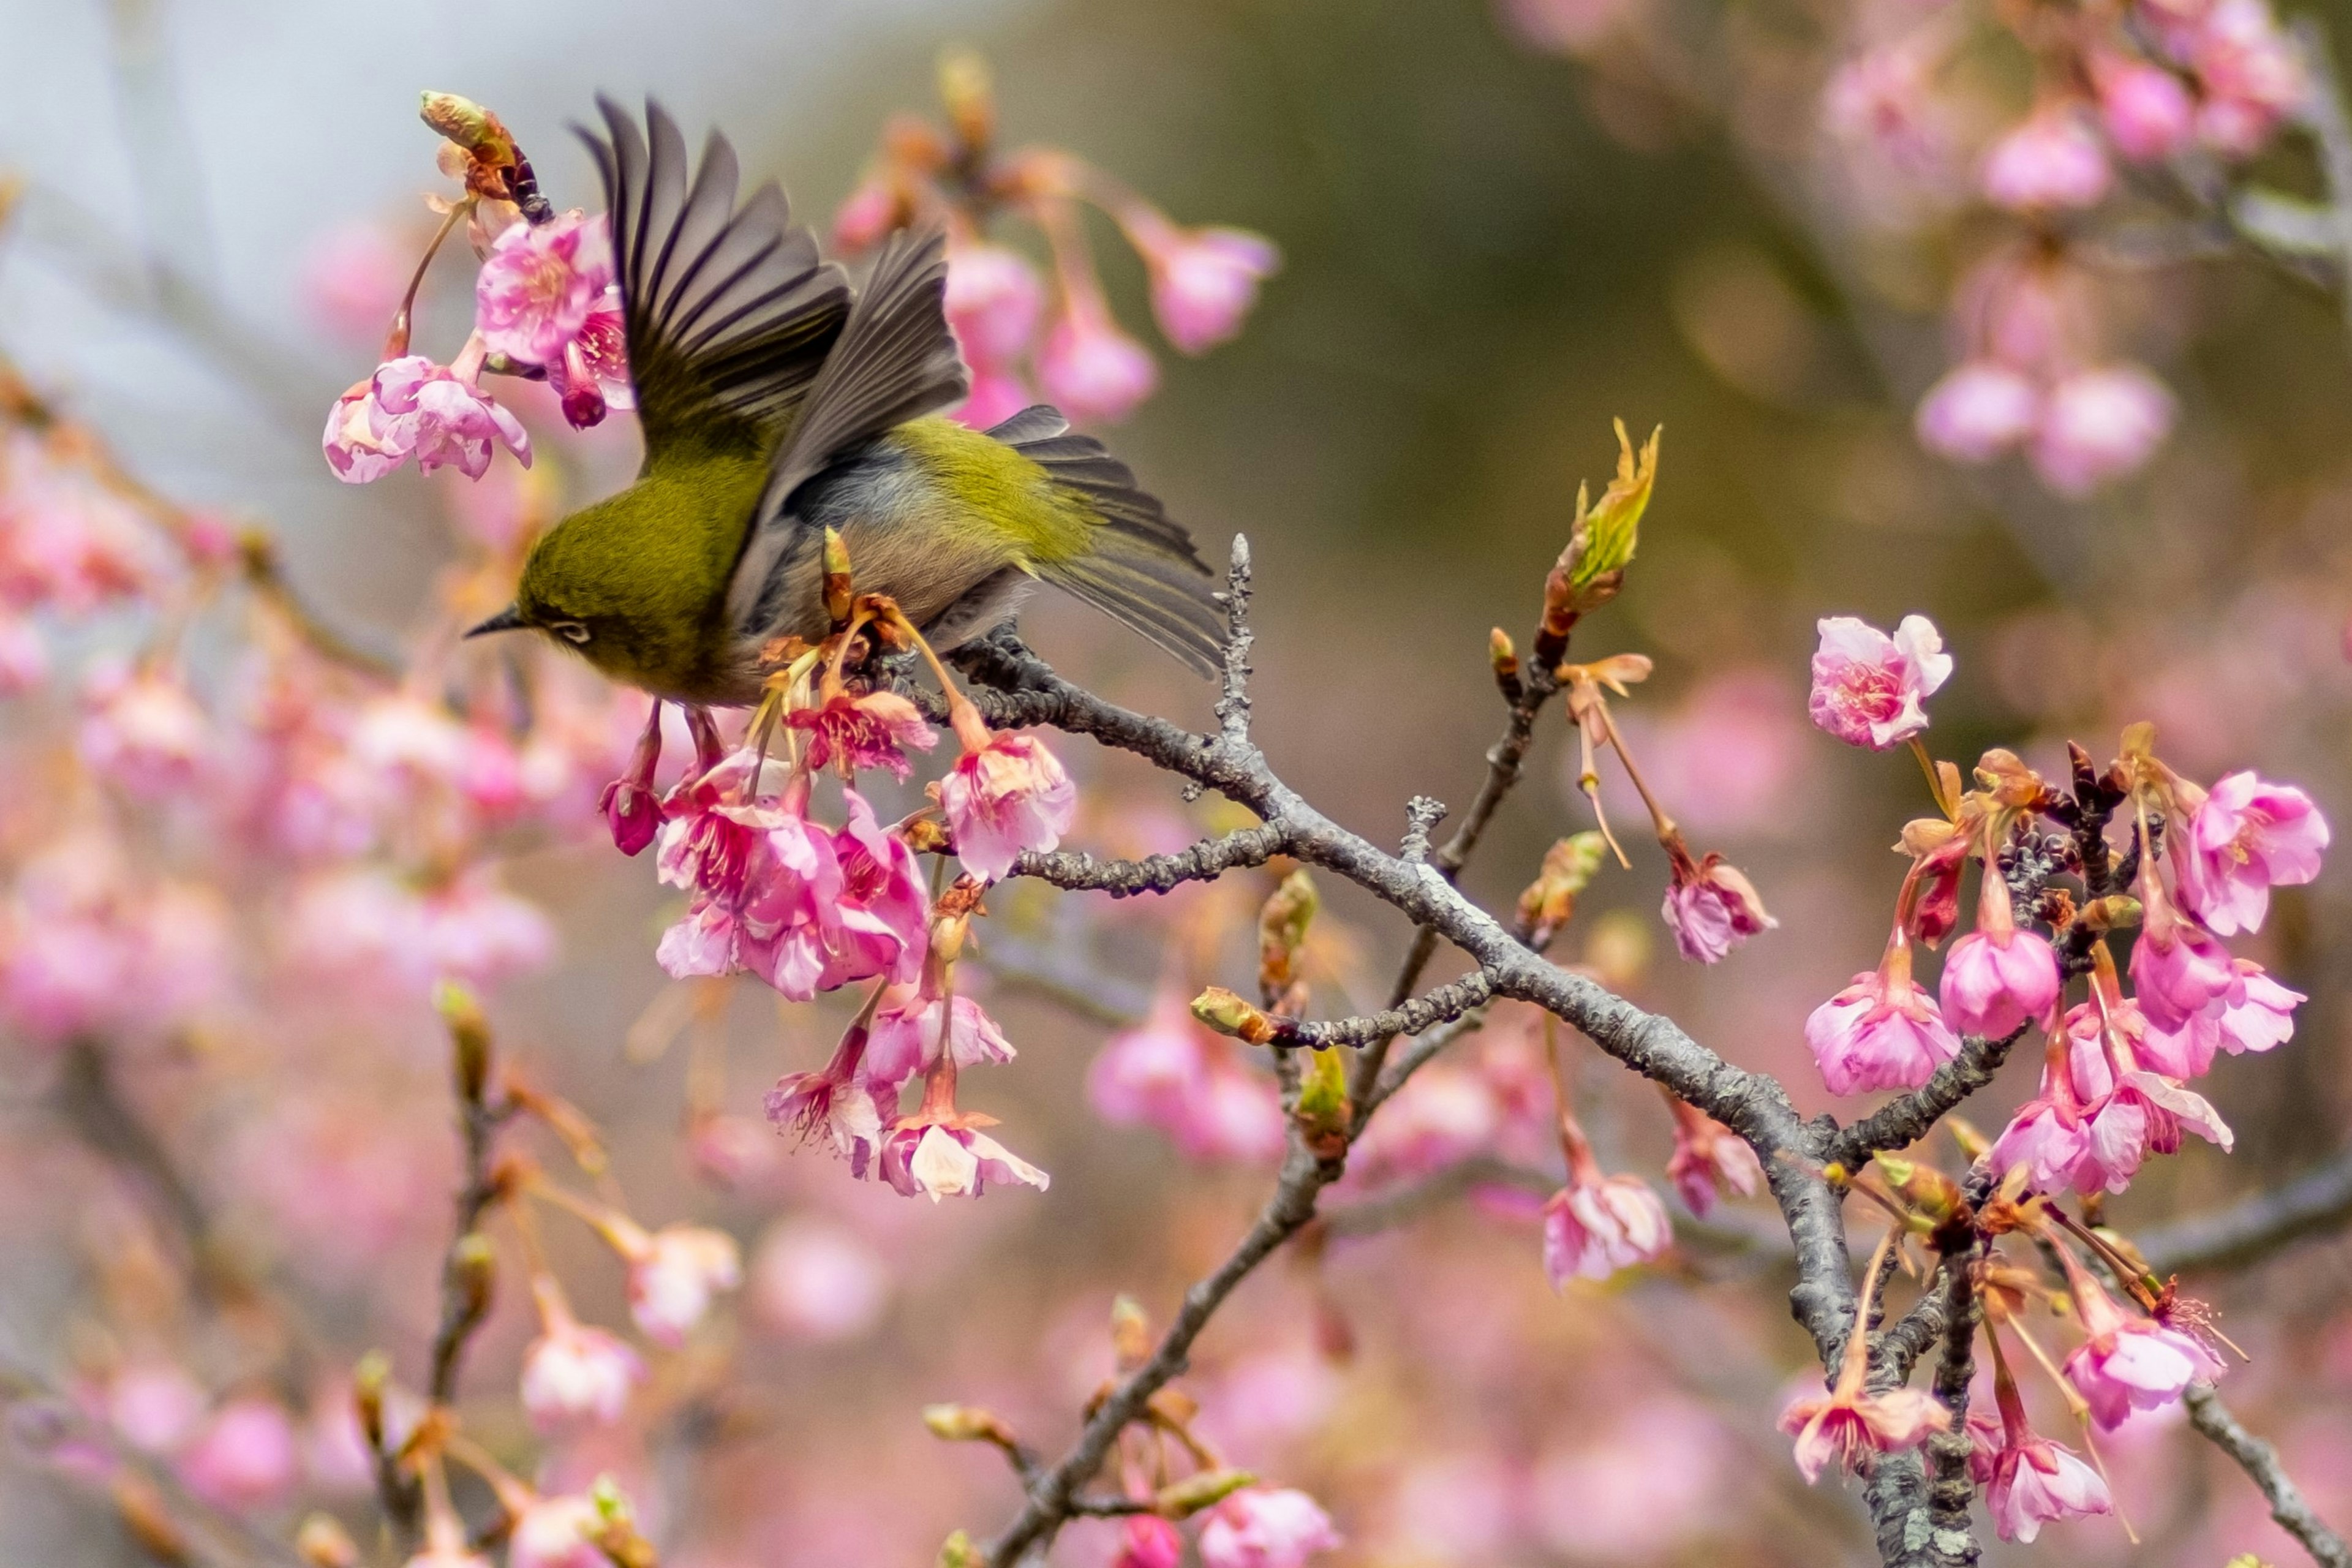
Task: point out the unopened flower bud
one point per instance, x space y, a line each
369 1378
2011 782
465 122
1323 1111
615 1532
1130 1332
1569 867
969 95
839 595
473 1272
1204 1489
323 1542
1227 1013
1281 933
1930 1196
966 1423
469 1039
1505 658
1973 1145
958 1552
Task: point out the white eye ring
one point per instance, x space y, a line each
570 631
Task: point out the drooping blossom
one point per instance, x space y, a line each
1711 906
2146 111
1849 1425
2052 160
837 1100
878 928
994 300
908 1030
2099 425
1597 1224
554 1532
1881 1032
536 287
1998 976
2029 1481
936 1161
1869 688
244 1458
143 730
2178 969
766 881
1092 369
1883 101
2128 1363
572 1371
2246 68
632 810
2142 1115
673 1274
2245 837
1005 795
1977 410
1203 281
1709 1158
413 407
1147 1541
1265 1527
859 733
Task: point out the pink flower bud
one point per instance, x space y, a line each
1203 281
2145 109
2052 160
1977 410
1265 1527
1868 688
1147 1541
1996 981
1597 1224
2100 425
1092 369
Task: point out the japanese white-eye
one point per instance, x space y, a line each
776 401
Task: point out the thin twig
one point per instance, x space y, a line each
2260 1462
2313 1203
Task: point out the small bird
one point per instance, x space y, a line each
776 401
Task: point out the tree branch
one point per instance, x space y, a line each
1209 858
2260 1462
2318 1201
1423 1013
1908 1118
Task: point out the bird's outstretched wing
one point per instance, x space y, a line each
730 313
895 361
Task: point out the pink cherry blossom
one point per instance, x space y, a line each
2178 971
1881 1032
1006 794
1203 281
414 407
1711 908
143 729
2265 1019
1997 976
1438 1118
994 300
906 1033
574 1373
940 1161
154 1404
1869 688
1265 1527
1709 1158
1597 1224
673 1274
592 374
1846 1430
2146 111
2048 1136
553 1533
1092 369
537 284
2247 70
1885 100
870 731
837 1100
632 810
1237 1116
2036 1482
2247 836
2130 1364
2100 425
879 926
766 881
244 1458
1147 1541
2142 1115
2052 160
24 655
1977 410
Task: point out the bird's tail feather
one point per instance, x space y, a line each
1142 571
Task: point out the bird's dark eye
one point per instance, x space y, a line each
570 631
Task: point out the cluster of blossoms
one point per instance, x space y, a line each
1014 330
2193 865
547 305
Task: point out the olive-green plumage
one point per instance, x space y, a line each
776 404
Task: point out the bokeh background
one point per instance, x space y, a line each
1489 252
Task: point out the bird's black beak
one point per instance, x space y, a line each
507 620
